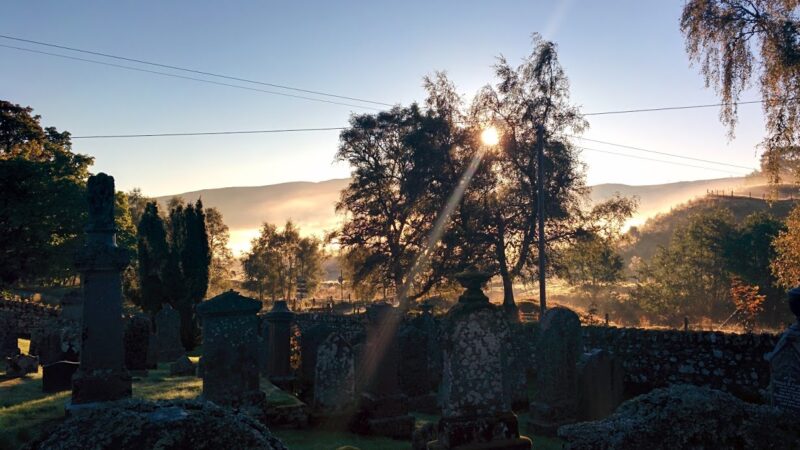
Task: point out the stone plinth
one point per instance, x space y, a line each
102 375
230 349
168 334
476 406
557 353
279 368
784 363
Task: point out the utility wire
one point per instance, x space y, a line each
659 153
662 161
205 133
199 72
184 77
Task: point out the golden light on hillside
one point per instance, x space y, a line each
490 136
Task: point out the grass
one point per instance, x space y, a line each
26 412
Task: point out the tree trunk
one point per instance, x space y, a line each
509 305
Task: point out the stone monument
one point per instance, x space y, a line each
230 353
334 382
784 363
383 408
137 340
279 368
600 385
476 408
168 335
102 375
557 352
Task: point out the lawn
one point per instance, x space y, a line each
26 412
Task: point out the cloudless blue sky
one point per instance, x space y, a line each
617 54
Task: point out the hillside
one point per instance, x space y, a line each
658 230
311 205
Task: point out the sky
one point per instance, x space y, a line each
617 54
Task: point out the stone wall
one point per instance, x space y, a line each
655 358
26 317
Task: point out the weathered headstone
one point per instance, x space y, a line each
230 353
280 334
310 341
21 365
102 375
600 385
784 362
557 353
476 408
57 377
383 407
168 334
137 341
334 383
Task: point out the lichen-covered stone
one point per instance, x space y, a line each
136 424
684 416
168 334
334 383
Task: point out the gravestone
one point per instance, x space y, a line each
21 365
476 408
600 385
279 367
152 352
334 380
557 352
784 362
383 408
230 353
137 341
168 334
102 375
57 377
8 338
310 341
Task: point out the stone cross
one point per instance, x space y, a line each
230 349
476 408
102 375
784 362
557 352
168 334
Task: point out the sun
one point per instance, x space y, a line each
490 136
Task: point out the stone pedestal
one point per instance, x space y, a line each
383 408
102 375
557 353
476 406
784 363
230 349
279 369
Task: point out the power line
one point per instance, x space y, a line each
184 77
660 153
199 72
661 161
212 74
204 133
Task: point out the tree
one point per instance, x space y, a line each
401 175
221 270
730 39
152 256
786 264
530 105
592 263
748 303
277 258
42 206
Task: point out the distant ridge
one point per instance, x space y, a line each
311 204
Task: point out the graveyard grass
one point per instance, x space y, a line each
26 412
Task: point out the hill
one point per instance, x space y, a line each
658 230
311 205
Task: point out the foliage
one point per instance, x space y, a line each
786 264
276 260
592 263
748 303
153 252
43 206
732 39
221 271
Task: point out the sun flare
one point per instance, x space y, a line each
490 136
